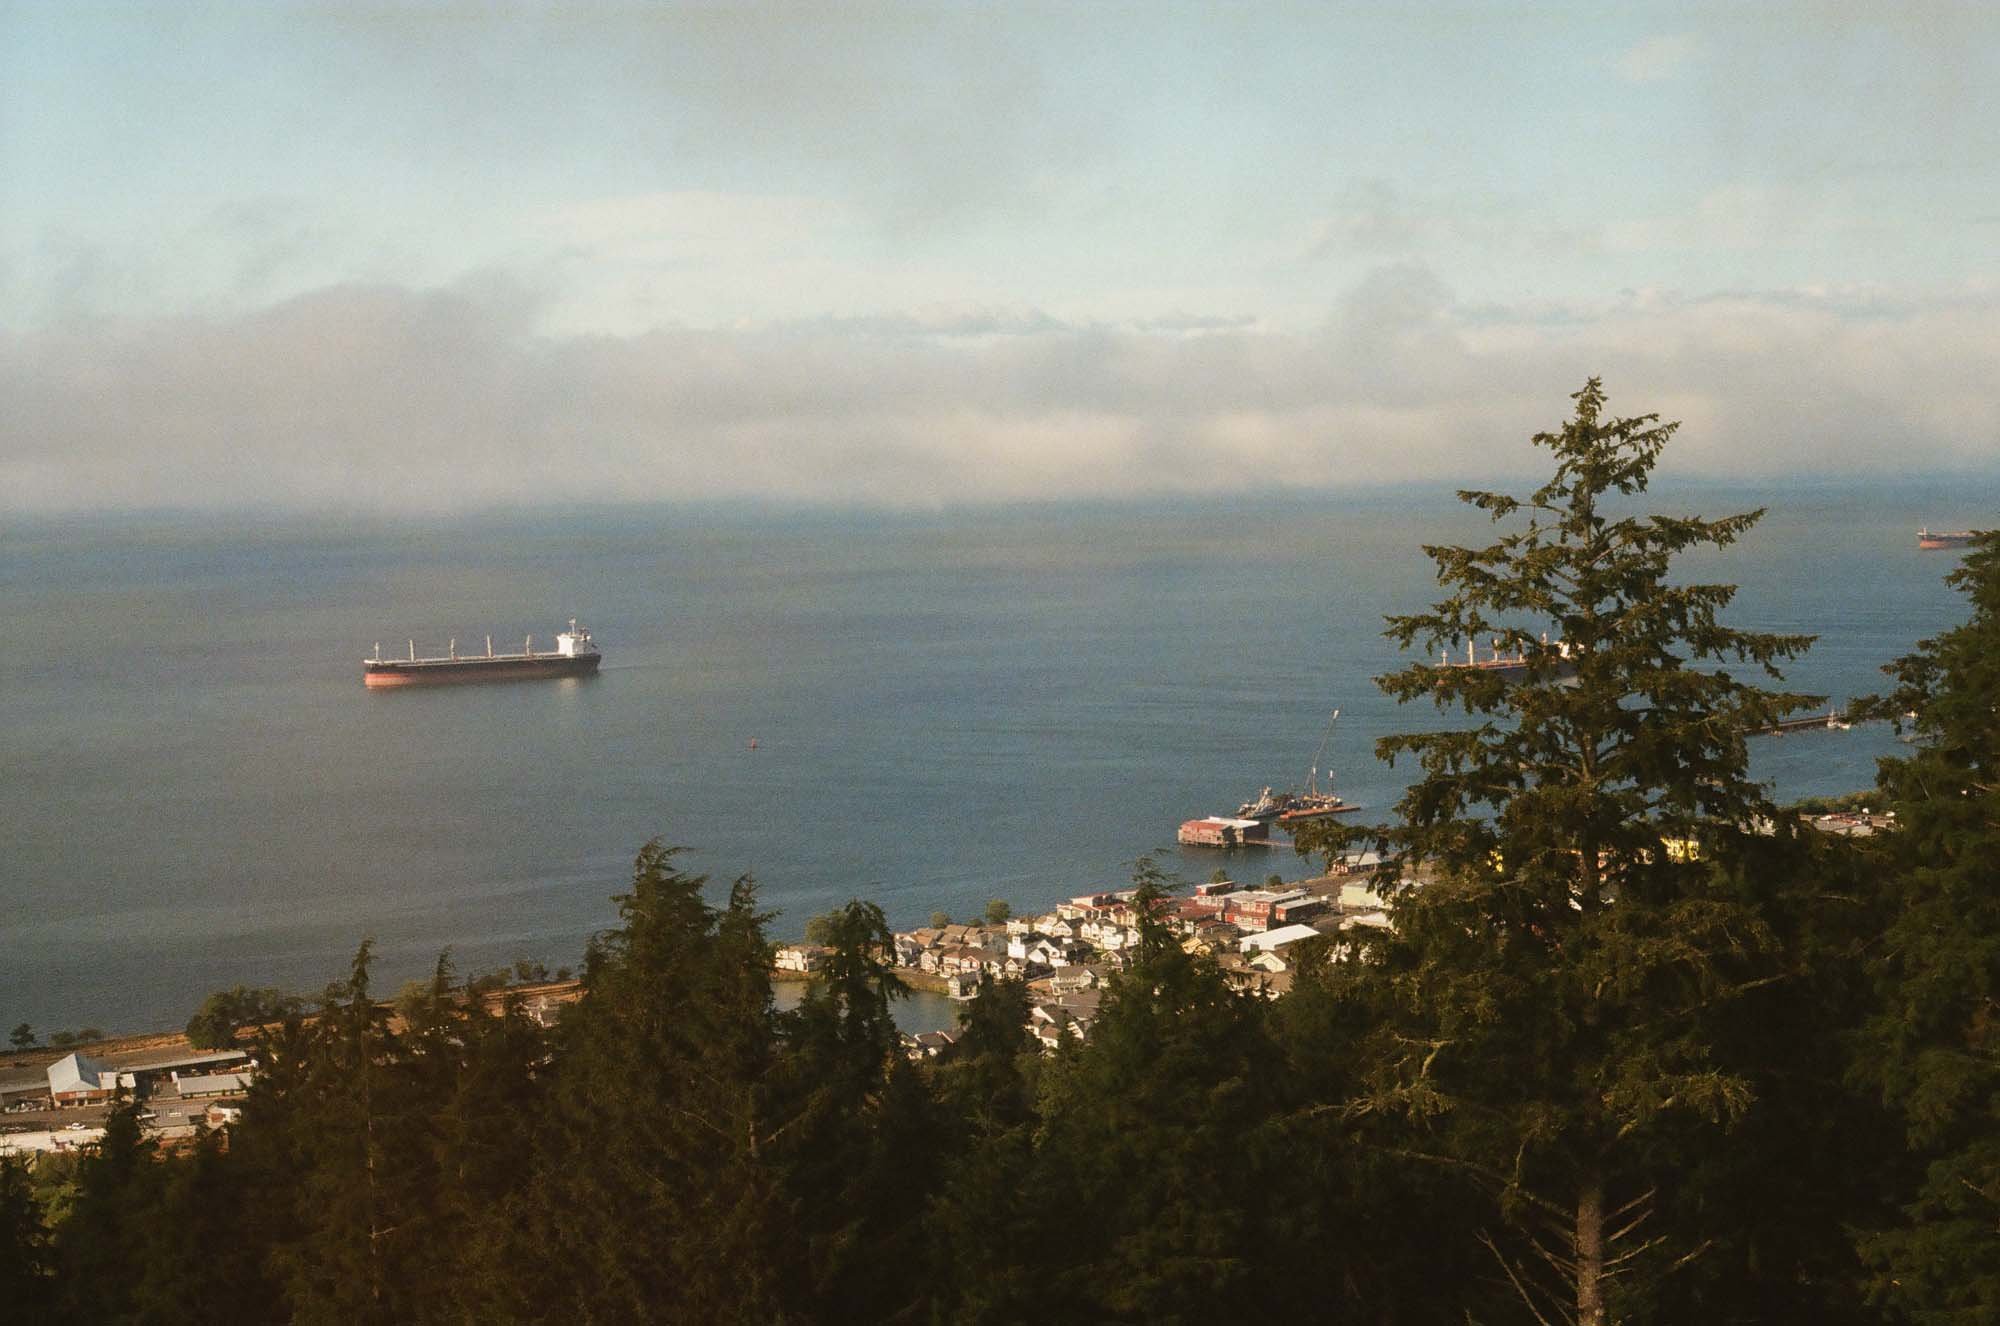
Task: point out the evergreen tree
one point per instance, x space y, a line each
1562 978
99 1248
1407 1249
204 1250
215 1024
983 1221
1145 1141
651 1199
982 1074
367 1249
1933 1049
263 1168
27 1268
860 1159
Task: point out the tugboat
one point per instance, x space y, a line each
1267 806
575 655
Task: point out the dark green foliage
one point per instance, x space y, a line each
997 911
226 1012
354 1201
1933 1050
204 1250
1848 801
1562 985
99 1248
649 1198
861 1155
22 1037
491 982
1408 1245
27 1266
1162 1146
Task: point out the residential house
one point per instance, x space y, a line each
804 957
1077 976
929 1044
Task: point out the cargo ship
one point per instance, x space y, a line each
1517 665
574 656
1932 538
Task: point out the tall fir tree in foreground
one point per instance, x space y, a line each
1933 1049
1562 982
652 1197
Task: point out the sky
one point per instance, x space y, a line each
440 256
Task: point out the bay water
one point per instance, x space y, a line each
927 710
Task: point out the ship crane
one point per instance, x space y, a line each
1312 778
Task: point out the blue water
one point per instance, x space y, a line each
946 708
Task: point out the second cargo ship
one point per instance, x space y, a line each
574 656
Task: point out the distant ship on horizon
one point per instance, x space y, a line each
1931 538
575 655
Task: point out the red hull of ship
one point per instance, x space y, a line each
462 672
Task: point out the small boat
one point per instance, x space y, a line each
1933 539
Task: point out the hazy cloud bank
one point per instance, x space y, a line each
389 398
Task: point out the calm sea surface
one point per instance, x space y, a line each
199 792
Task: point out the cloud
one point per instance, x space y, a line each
1374 219
1736 218
388 398
1657 59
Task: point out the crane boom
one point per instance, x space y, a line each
1312 778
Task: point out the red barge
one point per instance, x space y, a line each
574 656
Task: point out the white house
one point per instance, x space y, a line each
803 957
